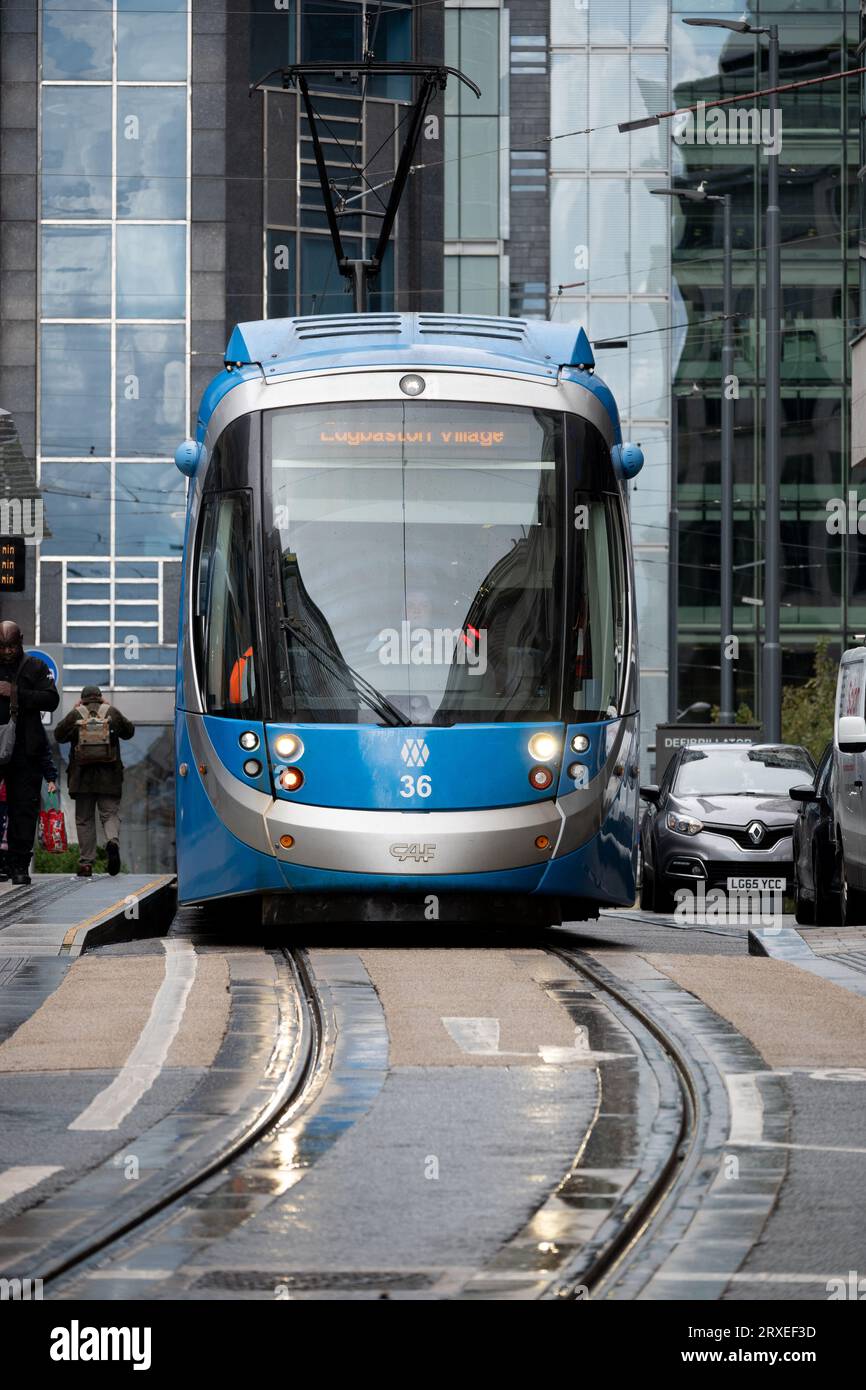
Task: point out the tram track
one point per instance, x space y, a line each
303 1069
630 1227
614 1245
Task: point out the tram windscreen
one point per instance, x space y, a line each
416 555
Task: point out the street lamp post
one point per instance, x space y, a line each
772 655
726 538
772 701
726 480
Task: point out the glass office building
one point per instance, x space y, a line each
822 573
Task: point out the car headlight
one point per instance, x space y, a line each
683 825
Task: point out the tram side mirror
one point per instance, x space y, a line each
188 456
650 794
627 459
852 734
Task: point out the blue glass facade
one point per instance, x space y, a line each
113 332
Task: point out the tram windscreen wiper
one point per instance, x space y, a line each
353 680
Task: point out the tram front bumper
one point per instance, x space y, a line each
411 843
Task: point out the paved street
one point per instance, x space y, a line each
418 1118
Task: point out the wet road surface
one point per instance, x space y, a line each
479 1118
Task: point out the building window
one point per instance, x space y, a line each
113 331
528 171
472 127
528 55
472 284
529 299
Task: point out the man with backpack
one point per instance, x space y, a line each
26 689
95 774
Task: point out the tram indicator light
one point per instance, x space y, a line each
12 555
541 778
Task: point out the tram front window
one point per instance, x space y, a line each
416 561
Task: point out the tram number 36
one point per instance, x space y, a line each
416 786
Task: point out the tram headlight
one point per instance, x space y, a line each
543 747
580 743
249 741
252 767
540 778
291 779
288 746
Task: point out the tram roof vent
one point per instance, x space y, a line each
471 326
346 325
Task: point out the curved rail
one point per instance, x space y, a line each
639 1222
299 1074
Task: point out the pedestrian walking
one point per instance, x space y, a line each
94 777
26 689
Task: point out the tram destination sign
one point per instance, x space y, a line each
12 553
670 737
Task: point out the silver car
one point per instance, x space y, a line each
722 812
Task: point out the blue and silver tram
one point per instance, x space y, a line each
407 674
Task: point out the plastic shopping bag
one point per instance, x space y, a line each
52 827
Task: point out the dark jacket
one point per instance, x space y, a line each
94 779
36 692
49 767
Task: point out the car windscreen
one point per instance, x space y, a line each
739 771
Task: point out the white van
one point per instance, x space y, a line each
848 779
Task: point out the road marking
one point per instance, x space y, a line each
783 1144
705 1276
747 1108
479 1037
147 1058
17 1180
